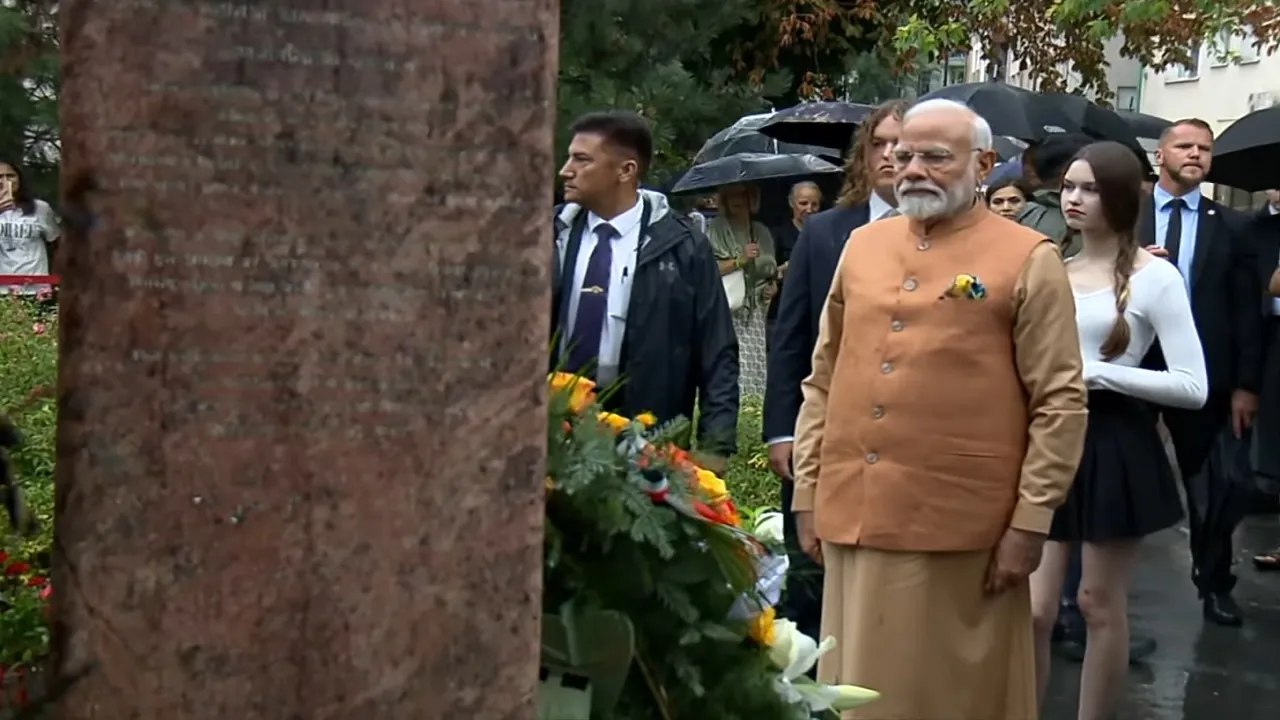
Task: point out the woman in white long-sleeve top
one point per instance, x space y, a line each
1126 300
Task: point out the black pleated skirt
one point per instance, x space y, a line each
1125 487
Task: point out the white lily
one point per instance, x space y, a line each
769 527
796 654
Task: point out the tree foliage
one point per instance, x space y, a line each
657 57
29 91
1054 39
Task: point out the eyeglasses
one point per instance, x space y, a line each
930 158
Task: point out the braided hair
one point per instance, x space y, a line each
1117 174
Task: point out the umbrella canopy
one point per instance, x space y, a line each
828 124
750 167
1148 127
1008 148
1099 122
1009 110
744 137
1247 154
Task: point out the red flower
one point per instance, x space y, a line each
16 569
4 557
46 592
37 581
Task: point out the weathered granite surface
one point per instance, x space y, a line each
302 389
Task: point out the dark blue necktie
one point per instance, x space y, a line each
593 302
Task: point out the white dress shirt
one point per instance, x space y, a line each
626 244
1190 226
878 208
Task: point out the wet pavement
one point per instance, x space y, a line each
1199 671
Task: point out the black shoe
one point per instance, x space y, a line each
1140 648
1221 608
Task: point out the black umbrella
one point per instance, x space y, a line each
1008 148
1099 122
744 137
1247 154
1223 490
1009 110
829 124
1148 127
750 167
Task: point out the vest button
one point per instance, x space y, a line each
877 412
886 368
872 458
910 285
897 325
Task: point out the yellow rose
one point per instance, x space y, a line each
761 629
711 485
582 390
616 422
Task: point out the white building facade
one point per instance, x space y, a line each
1230 77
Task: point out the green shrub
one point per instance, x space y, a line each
752 484
28 372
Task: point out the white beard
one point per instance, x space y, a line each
938 202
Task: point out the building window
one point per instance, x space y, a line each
1186 72
1249 47
1127 98
1220 52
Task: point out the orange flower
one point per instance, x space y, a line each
615 422
761 627
647 419
581 390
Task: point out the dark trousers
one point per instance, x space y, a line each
1193 433
802 601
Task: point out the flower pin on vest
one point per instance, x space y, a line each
966 286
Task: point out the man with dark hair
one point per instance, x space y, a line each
1043 212
1211 246
867 196
637 296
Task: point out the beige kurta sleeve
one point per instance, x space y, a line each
813 411
1047 353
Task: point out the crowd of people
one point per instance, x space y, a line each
974 374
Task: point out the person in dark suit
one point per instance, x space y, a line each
636 294
1266 435
866 196
1213 248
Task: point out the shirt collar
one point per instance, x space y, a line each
877 207
1192 199
622 224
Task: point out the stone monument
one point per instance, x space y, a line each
300 459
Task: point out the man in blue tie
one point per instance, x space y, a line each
637 297
1211 246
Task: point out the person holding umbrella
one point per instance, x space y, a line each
745 254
